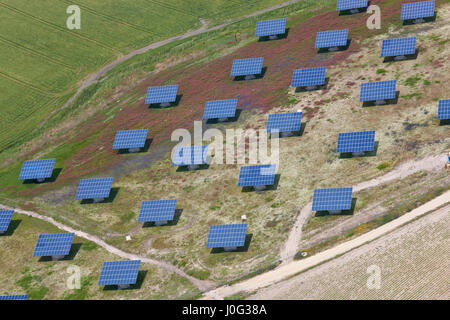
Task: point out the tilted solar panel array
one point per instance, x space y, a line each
332 199
94 188
226 235
189 155
398 47
37 169
417 10
270 27
128 139
259 175
244 67
444 110
380 90
356 141
119 272
220 109
157 210
15 297
329 39
57 244
309 77
5 219
343 5
161 94
284 122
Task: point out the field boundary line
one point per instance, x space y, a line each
37 53
64 30
28 85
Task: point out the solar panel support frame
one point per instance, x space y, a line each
57 257
250 77
164 104
134 150
160 222
358 153
228 249
97 200
260 188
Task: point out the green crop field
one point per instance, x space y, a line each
42 61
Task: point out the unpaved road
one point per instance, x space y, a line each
95 76
291 247
200 284
413 263
294 267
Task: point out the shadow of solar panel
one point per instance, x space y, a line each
343 5
220 109
15 297
37 169
226 235
398 47
94 188
259 175
284 122
444 110
157 210
119 272
189 155
270 27
128 139
416 10
161 94
332 199
308 77
57 244
356 141
5 219
329 39
244 67
380 90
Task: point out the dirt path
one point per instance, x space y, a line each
95 76
294 267
414 261
200 284
291 246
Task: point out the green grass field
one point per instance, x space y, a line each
42 61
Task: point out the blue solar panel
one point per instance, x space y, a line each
226 235
284 122
332 199
380 90
398 47
157 210
189 155
94 188
15 297
161 94
119 272
329 39
37 169
259 175
356 141
309 77
5 219
444 110
244 67
57 244
220 109
417 10
128 139
270 27
343 5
